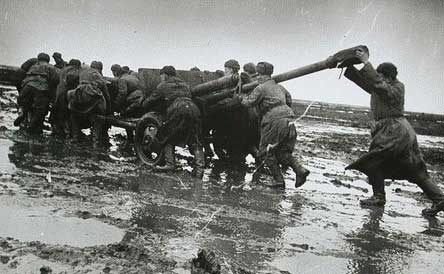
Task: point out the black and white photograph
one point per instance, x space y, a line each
222 136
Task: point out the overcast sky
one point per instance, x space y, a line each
289 34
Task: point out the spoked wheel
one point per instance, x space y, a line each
148 148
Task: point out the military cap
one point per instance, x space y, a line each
233 64
194 69
43 57
169 70
116 67
264 68
75 63
96 65
57 55
388 70
250 68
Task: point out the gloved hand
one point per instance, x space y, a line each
362 55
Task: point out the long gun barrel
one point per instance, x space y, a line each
341 59
292 74
221 83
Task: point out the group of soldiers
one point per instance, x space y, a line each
74 94
81 94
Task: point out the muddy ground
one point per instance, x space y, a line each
70 209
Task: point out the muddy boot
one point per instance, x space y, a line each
301 173
377 200
278 178
170 160
435 209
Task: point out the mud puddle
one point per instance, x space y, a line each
51 226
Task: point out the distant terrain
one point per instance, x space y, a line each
358 116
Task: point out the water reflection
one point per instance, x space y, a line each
376 250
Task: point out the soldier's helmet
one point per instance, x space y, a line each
116 67
43 57
250 68
97 65
168 70
75 63
388 70
57 55
233 64
265 68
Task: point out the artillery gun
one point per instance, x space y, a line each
206 95
207 89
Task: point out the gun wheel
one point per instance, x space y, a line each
148 148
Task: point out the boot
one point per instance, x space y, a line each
278 178
377 200
301 172
170 161
199 161
435 209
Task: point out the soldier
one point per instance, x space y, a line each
69 79
59 62
86 102
236 129
182 121
20 76
35 96
394 151
97 65
129 96
127 70
221 122
278 132
249 75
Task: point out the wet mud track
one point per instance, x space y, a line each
75 210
